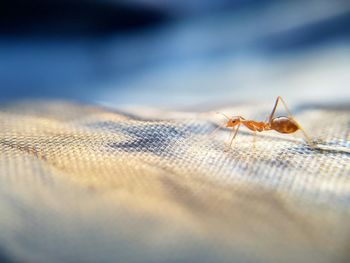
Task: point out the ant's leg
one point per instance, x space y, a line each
292 117
228 146
279 98
233 136
274 109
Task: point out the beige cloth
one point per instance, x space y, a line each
82 183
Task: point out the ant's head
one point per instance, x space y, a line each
233 122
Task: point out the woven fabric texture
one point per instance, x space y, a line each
82 183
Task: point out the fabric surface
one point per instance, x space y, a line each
81 183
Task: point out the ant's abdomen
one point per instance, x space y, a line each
284 125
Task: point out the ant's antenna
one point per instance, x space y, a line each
228 118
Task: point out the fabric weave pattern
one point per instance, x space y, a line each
82 183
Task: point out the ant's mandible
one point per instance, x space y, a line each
281 124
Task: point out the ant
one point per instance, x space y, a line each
281 124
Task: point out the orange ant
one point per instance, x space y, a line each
281 124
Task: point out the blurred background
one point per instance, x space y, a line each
175 53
